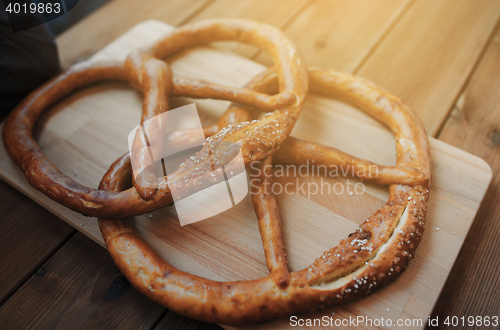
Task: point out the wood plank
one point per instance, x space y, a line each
106 113
336 17
79 288
30 235
114 18
473 287
428 55
340 34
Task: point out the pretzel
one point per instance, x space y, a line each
372 256
144 69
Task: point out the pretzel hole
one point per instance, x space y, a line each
209 110
192 60
225 247
70 131
346 127
347 197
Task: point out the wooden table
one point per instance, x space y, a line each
441 57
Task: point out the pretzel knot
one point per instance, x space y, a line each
373 255
144 70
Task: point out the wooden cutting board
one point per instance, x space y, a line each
87 131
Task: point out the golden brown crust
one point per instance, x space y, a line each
266 208
377 252
299 152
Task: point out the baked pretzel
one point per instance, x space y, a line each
370 257
144 69
377 252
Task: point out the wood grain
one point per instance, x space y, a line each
113 19
474 125
428 55
228 246
340 34
30 235
79 286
